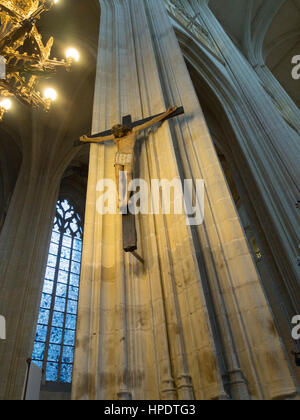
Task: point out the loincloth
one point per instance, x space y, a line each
124 159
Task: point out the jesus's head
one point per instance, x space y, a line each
120 131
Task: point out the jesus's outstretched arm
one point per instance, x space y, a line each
156 119
86 139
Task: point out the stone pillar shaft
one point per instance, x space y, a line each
148 332
282 100
24 246
272 151
24 243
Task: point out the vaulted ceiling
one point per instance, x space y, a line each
282 42
270 25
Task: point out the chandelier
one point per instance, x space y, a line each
24 59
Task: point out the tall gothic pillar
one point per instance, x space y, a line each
280 97
193 321
24 244
270 147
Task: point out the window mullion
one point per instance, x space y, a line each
67 226
66 305
53 298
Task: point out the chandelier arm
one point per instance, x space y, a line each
45 7
25 68
25 93
43 51
19 33
12 13
25 26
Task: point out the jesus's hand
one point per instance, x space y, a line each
172 109
84 138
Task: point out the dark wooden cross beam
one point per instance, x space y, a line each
127 120
128 220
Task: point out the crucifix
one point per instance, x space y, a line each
125 136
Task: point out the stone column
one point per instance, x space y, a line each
23 241
257 55
281 99
154 331
271 148
24 244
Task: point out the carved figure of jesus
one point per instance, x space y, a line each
125 138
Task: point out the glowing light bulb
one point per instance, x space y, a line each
56 1
6 104
72 54
50 94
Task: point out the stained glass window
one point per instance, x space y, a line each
55 334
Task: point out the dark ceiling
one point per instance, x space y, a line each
71 23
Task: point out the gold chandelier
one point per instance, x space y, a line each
23 56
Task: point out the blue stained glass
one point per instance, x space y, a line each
65 205
76 256
68 354
38 364
74 279
53 249
77 244
71 321
67 241
60 212
55 237
66 373
56 335
51 372
62 277
58 319
38 351
75 267
61 290
69 338
65 253
73 226
64 264
44 316
48 287
72 307
51 260
73 292
54 353
46 301
41 333
50 273
56 227
69 214
60 304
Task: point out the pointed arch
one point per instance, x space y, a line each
55 334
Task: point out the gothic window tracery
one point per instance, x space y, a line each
56 327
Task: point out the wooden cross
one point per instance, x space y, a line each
128 220
127 120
